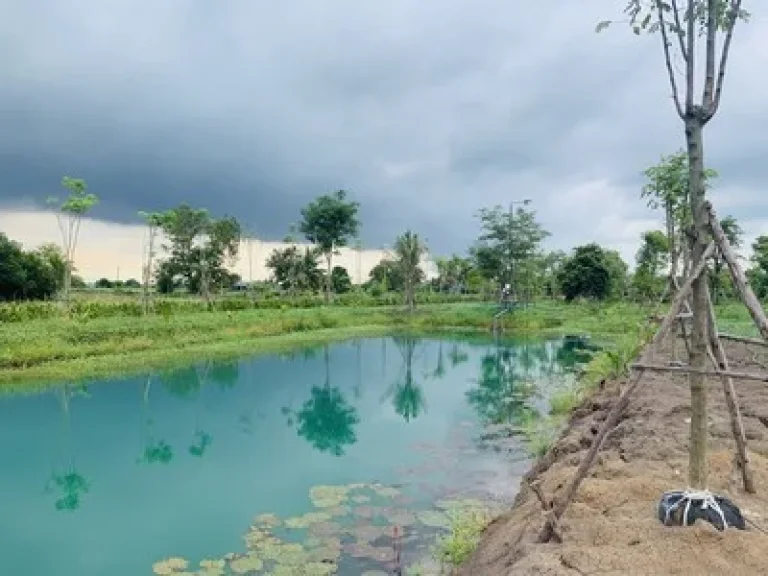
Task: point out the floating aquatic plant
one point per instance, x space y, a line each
270 520
245 564
328 496
434 519
307 520
212 568
169 566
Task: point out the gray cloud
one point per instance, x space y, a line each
425 111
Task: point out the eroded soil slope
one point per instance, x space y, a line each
611 527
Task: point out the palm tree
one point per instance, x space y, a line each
409 250
407 396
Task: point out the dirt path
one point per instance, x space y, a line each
611 528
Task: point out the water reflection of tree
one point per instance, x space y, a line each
326 420
573 352
407 396
71 484
225 373
439 370
502 394
156 450
457 355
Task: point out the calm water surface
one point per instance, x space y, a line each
111 478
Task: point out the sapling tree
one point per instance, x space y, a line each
666 188
330 222
69 215
155 222
681 24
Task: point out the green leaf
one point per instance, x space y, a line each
602 26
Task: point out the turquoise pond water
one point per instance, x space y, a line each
112 478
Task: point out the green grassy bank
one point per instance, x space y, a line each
73 348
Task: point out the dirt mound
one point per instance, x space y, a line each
611 528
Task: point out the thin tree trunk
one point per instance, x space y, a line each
328 283
673 261
698 468
720 361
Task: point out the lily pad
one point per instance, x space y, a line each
270 520
400 517
245 564
360 499
385 491
324 530
434 519
307 520
368 533
342 510
328 496
169 566
376 553
211 568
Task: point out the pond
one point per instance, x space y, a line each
345 457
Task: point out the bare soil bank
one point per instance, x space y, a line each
611 528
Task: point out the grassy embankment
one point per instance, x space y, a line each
117 341
60 347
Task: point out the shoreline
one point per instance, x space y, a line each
611 526
37 354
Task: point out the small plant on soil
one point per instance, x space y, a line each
466 528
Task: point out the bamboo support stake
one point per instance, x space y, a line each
719 359
737 274
703 371
560 505
742 339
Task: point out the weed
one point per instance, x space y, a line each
466 528
564 400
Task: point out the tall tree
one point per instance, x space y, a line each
69 214
295 269
199 247
330 222
510 239
680 24
409 250
592 272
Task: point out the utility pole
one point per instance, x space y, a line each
512 204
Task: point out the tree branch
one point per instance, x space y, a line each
679 30
709 63
731 24
690 69
667 57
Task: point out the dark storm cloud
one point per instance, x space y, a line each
425 111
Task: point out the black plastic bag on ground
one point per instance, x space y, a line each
683 508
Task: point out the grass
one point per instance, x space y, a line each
71 348
466 529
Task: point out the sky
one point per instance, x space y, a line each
424 111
